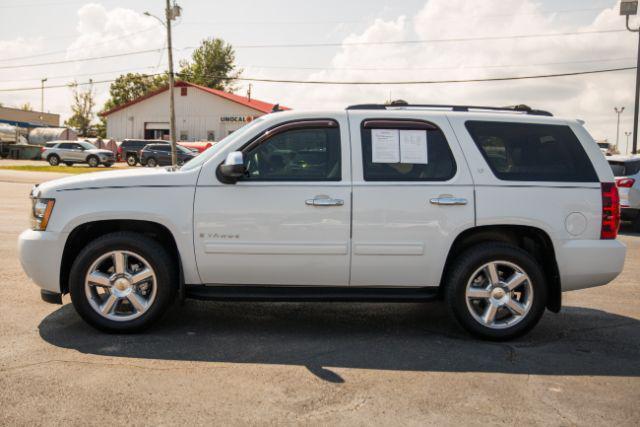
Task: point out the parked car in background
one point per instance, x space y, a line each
197 146
70 152
160 155
129 149
626 169
607 149
497 211
47 145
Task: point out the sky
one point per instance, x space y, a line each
433 43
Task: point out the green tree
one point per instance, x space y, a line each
130 86
26 107
212 65
82 109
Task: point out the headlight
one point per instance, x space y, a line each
40 213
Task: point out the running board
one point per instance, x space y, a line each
309 293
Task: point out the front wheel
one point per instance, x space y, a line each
93 161
151 162
496 291
122 282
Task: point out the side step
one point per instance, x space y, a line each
309 293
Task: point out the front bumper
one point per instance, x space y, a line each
589 263
40 254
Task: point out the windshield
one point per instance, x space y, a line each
87 145
211 151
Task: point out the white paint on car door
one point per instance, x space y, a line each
278 232
403 229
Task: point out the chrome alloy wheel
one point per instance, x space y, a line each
499 294
120 285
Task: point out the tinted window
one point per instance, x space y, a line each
66 145
160 147
625 168
297 155
532 152
439 164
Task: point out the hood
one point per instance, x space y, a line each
133 177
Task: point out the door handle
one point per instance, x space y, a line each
324 201
448 201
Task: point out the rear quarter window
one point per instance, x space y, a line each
532 152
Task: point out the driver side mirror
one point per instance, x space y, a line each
233 168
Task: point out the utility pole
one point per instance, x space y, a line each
42 94
171 13
626 149
629 8
618 112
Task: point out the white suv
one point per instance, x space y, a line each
497 211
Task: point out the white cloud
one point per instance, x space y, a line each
589 97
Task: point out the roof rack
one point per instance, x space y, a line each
400 104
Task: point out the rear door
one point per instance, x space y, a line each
412 195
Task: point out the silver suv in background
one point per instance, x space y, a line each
70 152
626 170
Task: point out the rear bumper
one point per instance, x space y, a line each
40 254
588 263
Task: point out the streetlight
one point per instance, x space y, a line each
171 13
618 112
627 134
628 8
42 94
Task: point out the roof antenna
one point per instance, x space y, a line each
276 108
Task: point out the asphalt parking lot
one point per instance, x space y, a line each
356 364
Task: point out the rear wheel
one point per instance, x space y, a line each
108 165
68 163
132 160
122 282
496 291
53 160
93 161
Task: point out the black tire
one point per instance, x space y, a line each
93 161
108 165
53 160
132 160
636 224
180 162
163 266
467 263
151 162
68 163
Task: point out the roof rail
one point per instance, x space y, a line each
521 108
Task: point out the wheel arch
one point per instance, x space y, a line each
532 239
88 231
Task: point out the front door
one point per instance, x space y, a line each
288 221
412 195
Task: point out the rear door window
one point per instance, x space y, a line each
532 152
625 168
405 150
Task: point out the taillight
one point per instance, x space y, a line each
625 182
610 211
42 149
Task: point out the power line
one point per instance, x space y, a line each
67 61
421 41
399 42
278 67
334 82
123 37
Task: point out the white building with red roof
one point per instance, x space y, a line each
202 114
